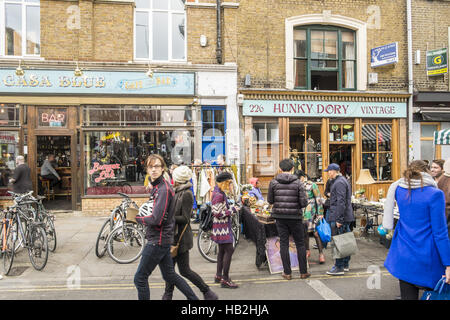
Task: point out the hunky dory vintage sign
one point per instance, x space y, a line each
329 109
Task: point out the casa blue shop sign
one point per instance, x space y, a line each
97 82
324 109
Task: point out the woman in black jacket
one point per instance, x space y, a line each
184 201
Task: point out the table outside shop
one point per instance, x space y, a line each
258 232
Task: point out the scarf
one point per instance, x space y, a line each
389 204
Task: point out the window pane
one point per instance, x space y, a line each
9 115
219 130
97 116
384 137
13 29
300 73
160 4
348 75
385 166
142 35
258 132
348 132
142 4
219 115
331 44
428 130
175 115
9 150
208 129
297 137
178 36
369 140
160 36
370 162
272 132
313 137
334 132
300 43
324 63
141 115
33 30
348 45
427 150
314 166
207 115
177 4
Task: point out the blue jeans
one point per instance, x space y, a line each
152 256
344 262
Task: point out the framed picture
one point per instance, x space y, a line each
274 257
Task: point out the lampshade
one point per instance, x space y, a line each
365 177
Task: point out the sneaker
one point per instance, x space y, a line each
346 269
228 284
210 295
217 279
335 271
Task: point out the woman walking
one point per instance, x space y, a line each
184 201
312 213
221 230
420 250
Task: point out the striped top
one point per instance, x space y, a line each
221 229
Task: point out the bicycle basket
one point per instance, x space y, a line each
131 214
206 218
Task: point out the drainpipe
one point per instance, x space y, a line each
219 32
410 80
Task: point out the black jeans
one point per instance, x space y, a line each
153 256
182 259
287 227
53 180
410 291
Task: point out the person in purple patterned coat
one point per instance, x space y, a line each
221 230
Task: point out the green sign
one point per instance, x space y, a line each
437 62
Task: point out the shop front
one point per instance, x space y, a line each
99 126
355 130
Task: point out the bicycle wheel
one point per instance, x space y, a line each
125 243
51 233
208 248
100 244
9 243
37 246
236 227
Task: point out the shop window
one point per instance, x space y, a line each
428 150
160 29
9 150
213 132
21 31
305 148
107 116
324 58
377 150
52 117
9 115
341 132
114 160
265 148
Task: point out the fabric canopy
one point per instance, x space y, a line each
442 136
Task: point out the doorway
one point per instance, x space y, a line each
55 153
342 154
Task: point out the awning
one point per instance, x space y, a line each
435 113
442 136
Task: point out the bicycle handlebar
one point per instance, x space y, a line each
123 195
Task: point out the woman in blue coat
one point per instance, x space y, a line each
420 250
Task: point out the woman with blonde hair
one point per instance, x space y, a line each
221 230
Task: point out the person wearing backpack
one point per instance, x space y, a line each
184 200
288 197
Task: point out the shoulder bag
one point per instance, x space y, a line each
174 249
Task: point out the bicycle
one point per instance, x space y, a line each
208 248
114 225
48 220
34 236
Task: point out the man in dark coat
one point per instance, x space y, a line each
340 212
288 196
21 179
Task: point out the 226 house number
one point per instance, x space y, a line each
256 108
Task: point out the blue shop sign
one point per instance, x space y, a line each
97 82
384 55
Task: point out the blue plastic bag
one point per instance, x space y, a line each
440 292
324 230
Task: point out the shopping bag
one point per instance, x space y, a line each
324 230
440 292
344 245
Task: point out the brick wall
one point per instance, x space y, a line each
103 206
430 21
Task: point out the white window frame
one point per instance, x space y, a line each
326 18
150 33
24 6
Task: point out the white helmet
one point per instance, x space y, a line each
146 209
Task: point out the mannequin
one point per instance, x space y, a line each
312 163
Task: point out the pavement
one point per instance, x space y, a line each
75 265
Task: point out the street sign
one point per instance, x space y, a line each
384 55
437 62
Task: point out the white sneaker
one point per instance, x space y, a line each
347 269
1 277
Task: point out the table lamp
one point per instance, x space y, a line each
364 178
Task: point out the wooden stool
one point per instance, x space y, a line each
46 185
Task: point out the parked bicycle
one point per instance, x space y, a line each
207 247
32 232
123 239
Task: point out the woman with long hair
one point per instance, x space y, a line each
221 231
183 202
420 249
